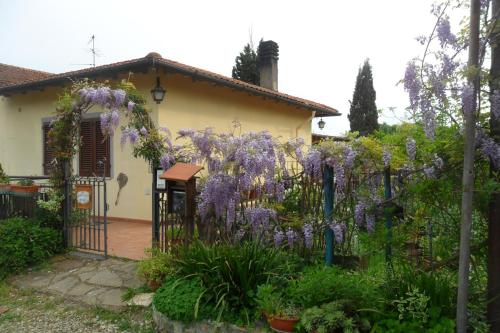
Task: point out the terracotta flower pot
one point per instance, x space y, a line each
153 285
282 324
4 188
24 190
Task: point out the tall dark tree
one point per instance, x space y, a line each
246 67
363 115
494 213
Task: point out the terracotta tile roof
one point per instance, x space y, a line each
155 60
10 75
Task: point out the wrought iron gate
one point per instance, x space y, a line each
85 222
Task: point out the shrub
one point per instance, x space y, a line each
183 299
24 243
232 273
438 286
327 318
157 267
319 285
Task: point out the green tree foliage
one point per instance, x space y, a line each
246 68
363 115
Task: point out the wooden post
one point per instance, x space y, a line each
388 214
328 212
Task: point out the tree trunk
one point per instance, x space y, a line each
494 208
468 173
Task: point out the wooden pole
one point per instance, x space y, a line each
468 172
328 208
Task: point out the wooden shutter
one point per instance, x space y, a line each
93 149
48 155
102 152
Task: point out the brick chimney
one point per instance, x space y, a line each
268 64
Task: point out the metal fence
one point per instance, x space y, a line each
18 203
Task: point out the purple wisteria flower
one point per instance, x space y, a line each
102 96
338 231
412 84
307 229
349 156
411 149
115 118
445 36
278 237
428 117
133 136
467 99
370 223
429 171
259 218
491 150
231 213
312 164
290 236
359 213
449 66
144 131
339 174
166 161
218 190
386 157
119 96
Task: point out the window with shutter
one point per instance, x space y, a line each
94 156
48 156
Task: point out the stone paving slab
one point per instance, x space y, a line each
94 282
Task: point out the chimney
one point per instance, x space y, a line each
268 64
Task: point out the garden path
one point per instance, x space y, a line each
94 282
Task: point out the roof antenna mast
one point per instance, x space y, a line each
92 39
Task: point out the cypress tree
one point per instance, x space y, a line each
363 115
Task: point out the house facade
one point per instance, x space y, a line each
194 98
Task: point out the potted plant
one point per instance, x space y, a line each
4 182
281 314
25 187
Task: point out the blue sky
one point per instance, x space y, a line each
322 43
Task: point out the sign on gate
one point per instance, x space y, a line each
83 196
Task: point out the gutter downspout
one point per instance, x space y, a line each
307 121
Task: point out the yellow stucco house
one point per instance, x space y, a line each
195 98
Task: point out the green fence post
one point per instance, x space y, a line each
388 213
328 212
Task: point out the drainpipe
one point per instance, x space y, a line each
307 121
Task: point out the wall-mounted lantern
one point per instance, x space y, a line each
321 123
158 92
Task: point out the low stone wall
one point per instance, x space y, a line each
166 325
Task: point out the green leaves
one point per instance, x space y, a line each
24 243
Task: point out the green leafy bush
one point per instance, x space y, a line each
327 318
320 285
274 302
231 273
438 286
4 179
24 243
183 299
157 267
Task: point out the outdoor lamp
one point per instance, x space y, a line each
158 92
321 123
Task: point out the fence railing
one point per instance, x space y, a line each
21 201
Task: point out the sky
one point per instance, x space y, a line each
322 43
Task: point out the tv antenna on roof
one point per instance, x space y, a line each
94 52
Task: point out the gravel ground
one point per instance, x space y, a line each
28 312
